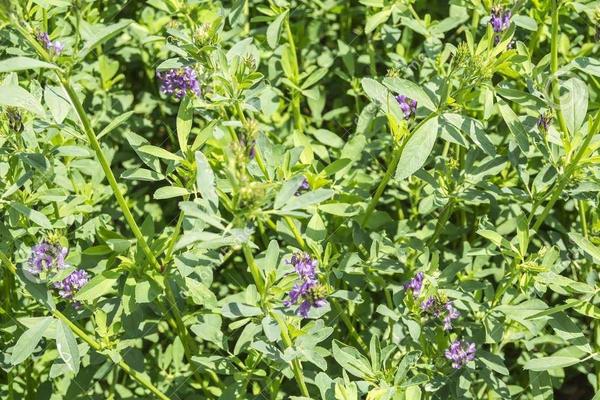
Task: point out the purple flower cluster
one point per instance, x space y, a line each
408 106
500 21
179 82
48 257
308 291
54 47
432 305
460 353
415 284
72 283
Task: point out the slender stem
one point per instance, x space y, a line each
442 219
582 217
108 172
171 246
254 271
348 322
296 365
391 168
298 121
91 341
554 66
290 223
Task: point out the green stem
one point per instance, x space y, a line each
169 252
391 168
295 232
349 325
554 66
442 219
254 271
582 218
296 365
91 341
298 121
85 122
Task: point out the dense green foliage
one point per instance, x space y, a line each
322 199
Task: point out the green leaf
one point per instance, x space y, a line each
29 340
34 216
574 103
271 257
381 96
101 35
185 117
351 360
98 286
159 152
566 329
308 199
205 181
546 363
16 96
410 90
588 247
474 129
121 119
314 77
417 149
525 22
523 234
58 102
167 192
66 345
287 191
373 21
514 125
328 138
589 65
142 174
274 29
23 63
236 310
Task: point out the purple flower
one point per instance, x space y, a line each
54 47
427 305
415 284
544 121
69 286
408 106
433 306
304 265
304 186
299 291
460 353
179 81
46 256
452 314
44 39
500 19
306 305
